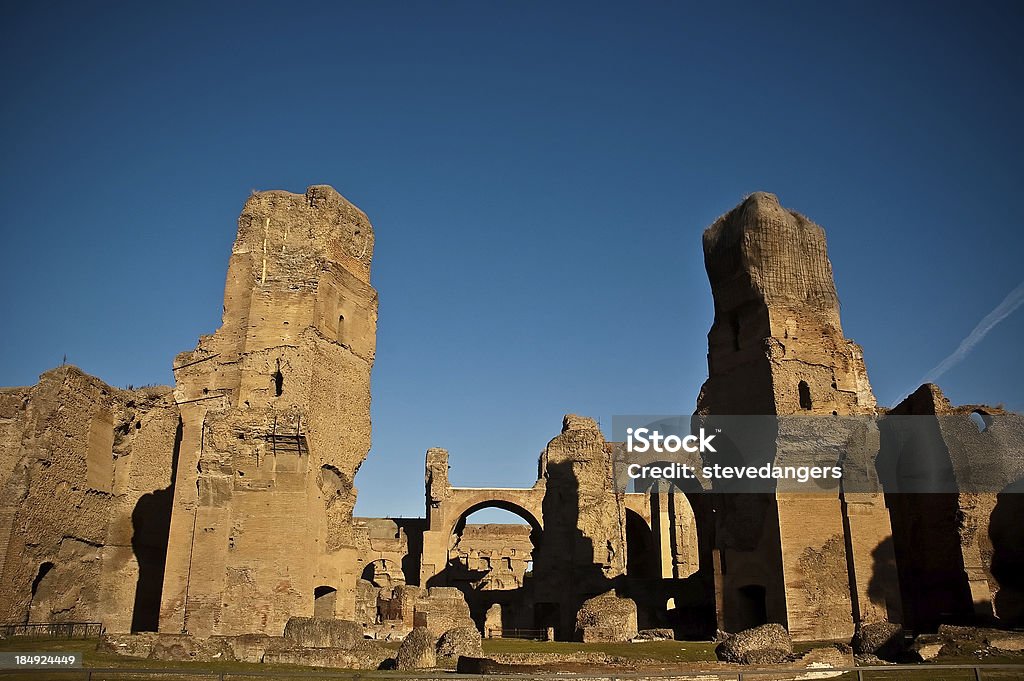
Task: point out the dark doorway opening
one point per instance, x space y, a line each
752 605
641 558
805 395
324 600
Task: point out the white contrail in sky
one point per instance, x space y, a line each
1011 302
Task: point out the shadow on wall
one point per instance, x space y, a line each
912 460
566 566
151 525
41 588
883 564
929 558
641 556
684 604
568 569
413 529
516 611
1007 534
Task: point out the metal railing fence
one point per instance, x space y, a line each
52 630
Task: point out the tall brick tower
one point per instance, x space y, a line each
276 421
777 348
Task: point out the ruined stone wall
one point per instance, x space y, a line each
388 564
447 509
777 348
575 534
497 555
777 318
276 422
958 551
388 549
437 536
85 490
583 550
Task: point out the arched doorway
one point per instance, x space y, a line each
324 601
641 556
669 558
491 548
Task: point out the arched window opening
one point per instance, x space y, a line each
278 379
804 391
981 420
324 600
44 569
384 573
641 553
490 559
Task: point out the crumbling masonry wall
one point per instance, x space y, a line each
224 506
583 551
959 550
777 348
494 557
85 500
276 421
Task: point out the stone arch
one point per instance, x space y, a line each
981 420
383 573
450 506
486 577
468 508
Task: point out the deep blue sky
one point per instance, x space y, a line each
538 176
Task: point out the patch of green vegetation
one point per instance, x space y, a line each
93 658
662 651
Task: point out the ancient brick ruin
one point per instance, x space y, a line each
223 506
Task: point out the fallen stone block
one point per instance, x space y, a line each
1009 641
363 655
417 651
655 635
487 666
957 641
926 647
606 618
838 656
312 632
252 647
460 641
884 639
440 609
128 645
186 648
766 644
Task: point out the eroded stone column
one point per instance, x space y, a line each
276 422
777 348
